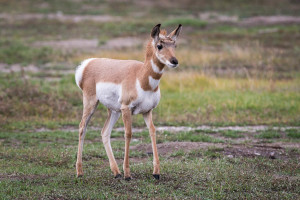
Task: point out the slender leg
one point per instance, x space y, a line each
150 125
89 107
126 115
106 131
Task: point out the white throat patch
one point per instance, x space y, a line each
156 68
153 82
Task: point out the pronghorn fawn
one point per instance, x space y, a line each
126 87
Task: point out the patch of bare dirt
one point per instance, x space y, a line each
270 20
285 144
22 177
267 151
122 42
170 147
285 177
70 44
272 151
52 74
59 16
5 68
214 17
87 45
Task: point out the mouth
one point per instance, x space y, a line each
171 65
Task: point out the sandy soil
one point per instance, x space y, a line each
171 147
122 42
175 129
214 17
270 20
271 151
70 44
5 68
90 45
59 16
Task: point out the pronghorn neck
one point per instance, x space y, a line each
150 55
153 65
152 70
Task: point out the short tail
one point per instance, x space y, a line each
79 71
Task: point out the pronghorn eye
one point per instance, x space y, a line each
159 47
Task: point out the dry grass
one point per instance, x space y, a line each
197 81
229 60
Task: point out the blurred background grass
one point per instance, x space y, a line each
239 60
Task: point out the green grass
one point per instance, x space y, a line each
179 153
293 133
194 137
42 165
269 135
232 134
206 178
211 101
14 51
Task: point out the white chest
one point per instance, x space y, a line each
146 100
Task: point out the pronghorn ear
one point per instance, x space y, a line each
155 32
174 34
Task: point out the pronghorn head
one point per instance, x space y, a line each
164 45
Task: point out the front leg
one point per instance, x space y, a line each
126 115
150 125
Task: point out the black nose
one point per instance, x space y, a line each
174 61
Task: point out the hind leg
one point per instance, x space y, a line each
106 131
89 106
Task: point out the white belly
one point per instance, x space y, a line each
109 94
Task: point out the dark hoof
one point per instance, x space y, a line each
118 176
127 178
156 176
80 175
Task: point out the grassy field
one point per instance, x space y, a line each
239 67
36 165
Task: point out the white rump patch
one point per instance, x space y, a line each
79 70
156 68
